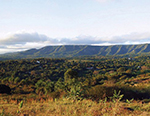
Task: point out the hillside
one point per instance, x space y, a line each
81 50
68 87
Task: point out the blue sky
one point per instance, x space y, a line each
26 24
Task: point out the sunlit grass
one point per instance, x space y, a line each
69 107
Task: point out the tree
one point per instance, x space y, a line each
11 79
70 74
22 82
40 87
16 80
43 87
59 84
49 87
121 69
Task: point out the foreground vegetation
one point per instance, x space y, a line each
70 107
91 86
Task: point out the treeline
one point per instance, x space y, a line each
94 78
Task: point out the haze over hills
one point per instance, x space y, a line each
67 51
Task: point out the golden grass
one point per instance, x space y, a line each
68 107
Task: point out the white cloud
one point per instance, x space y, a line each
23 41
81 40
24 37
131 38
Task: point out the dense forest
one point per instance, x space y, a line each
94 78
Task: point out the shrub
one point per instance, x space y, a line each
55 94
5 89
100 92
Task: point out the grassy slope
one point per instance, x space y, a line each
68 107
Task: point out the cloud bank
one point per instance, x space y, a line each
24 37
23 41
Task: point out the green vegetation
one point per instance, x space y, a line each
106 84
93 78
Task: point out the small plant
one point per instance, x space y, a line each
103 101
20 106
116 96
129 101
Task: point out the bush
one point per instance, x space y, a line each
55 94
5 89
100 92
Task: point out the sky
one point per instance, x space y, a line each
26 24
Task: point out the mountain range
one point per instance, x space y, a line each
68 51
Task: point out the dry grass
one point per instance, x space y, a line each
68 107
